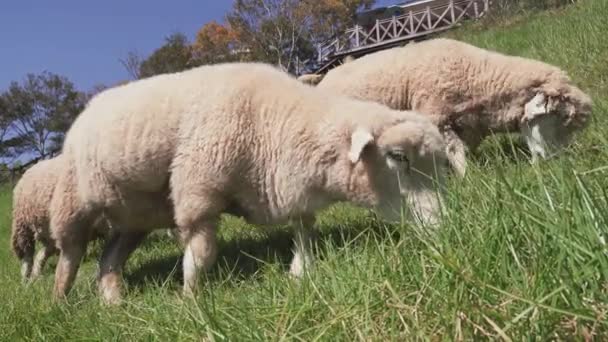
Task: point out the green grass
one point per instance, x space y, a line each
519 254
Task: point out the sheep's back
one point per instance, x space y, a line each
437 73
33 192
126 137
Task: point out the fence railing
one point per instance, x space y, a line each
422 19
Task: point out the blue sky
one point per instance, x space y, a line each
84 40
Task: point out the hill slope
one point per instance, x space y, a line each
520 253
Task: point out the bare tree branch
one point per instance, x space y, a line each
132 64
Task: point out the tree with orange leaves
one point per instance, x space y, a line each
216 43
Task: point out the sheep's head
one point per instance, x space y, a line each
311 79
550 119
406 160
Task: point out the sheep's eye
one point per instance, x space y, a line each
397 156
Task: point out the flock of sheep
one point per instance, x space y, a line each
177 150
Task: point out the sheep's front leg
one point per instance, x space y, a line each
41 258
200 253
302 254
456 152
116 252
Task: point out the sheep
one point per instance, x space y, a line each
180 149
30 223
314 79
469 93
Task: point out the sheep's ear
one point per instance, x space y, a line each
536 106
359 139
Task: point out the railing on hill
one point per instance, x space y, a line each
420 20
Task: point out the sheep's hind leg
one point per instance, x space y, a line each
70 230
303 258
41 258
115 254
200 253
70 257
26 268
69 227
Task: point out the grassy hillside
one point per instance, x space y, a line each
520 253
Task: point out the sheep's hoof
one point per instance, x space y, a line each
59 296
294 277
110 291
297 271
189 293
301 264
26 269
26 281
111 297
112 300
36 273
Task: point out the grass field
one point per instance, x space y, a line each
520 255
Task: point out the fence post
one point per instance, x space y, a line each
412 23
377 27
319 53
452 12
394 23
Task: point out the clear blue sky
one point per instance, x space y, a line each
84 40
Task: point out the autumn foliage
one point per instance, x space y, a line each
216 43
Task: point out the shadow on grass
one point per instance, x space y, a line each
242 258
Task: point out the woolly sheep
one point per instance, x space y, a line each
469 92
31 197
179 149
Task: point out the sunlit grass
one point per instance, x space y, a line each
520 253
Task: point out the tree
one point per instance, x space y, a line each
174 56
5 124
216 43
100 87
330 18
132 63
274 30
283 32
40 111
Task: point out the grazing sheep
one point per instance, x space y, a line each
469 93
180 149
31 197
314 79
